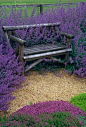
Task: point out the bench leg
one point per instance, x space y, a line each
22 61
23 71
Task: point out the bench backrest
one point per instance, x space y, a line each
10 30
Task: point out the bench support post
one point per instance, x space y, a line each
21 59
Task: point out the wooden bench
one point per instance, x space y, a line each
36 52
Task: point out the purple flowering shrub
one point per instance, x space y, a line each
50 107
10 76
72 22
54 113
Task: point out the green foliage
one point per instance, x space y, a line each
60 118
17 2
3 118
82 118
31 103
79 101
19 119
56 118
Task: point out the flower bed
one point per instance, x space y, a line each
48 113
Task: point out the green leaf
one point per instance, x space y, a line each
31 103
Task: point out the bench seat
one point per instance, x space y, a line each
44 50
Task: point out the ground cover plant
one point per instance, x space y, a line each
59 113
73 23
45 120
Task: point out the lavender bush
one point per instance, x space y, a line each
10 76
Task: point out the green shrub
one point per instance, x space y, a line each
79 101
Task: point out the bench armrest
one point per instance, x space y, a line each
20 41
67 35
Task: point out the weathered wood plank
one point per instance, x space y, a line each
44 49
41 49
42 46
29 52
29 26
47 54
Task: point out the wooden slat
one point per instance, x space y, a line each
29 26
47 54
29 52
48 45
40 49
